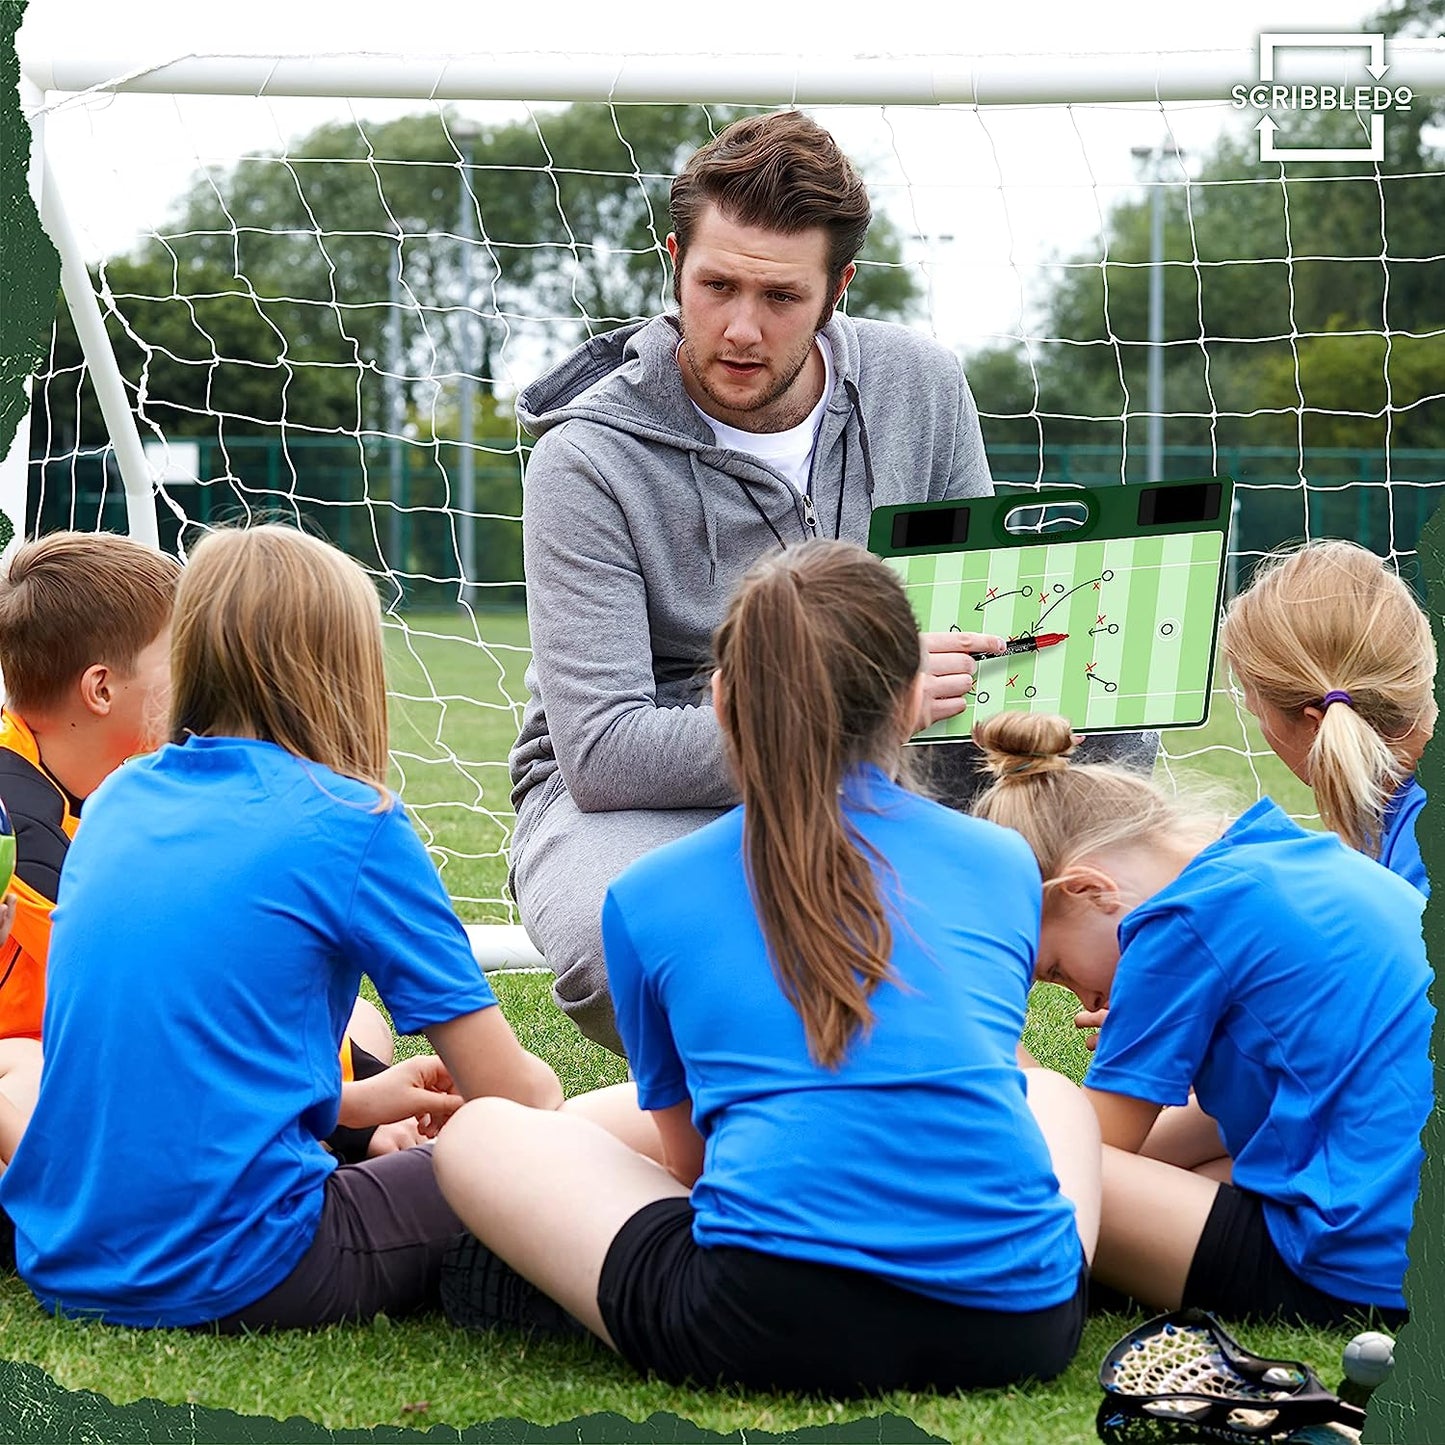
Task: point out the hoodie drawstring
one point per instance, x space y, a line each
855 405
709 522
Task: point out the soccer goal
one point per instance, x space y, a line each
311 289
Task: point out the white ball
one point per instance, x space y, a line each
1369 1358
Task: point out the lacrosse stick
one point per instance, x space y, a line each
1181 1378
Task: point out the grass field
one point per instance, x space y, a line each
452 724
456 709
421 1373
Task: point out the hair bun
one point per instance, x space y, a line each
1019 744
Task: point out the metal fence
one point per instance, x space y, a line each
391 504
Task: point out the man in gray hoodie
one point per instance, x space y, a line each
671 454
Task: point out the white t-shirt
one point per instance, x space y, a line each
789 452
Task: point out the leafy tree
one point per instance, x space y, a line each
1303 305
272 290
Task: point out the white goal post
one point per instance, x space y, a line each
412 399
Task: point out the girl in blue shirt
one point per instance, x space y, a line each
821 994
214 919
1278 976
1337 662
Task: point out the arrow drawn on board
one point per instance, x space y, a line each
999 596
1064 596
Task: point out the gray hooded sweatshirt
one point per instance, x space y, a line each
637 528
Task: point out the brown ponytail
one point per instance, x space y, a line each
818 655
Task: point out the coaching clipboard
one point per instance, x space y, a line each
1134 575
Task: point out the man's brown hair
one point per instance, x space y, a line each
781 172
70 600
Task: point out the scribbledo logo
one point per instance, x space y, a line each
1369 100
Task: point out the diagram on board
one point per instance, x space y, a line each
1123 629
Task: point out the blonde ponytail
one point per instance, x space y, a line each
1330 626
1066 811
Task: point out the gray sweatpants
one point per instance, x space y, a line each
563 859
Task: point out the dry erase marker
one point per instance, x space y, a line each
1023 644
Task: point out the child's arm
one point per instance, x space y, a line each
484 1057
416 1088
682 1145
1124 1123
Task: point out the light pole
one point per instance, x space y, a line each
1153 159
396 397
465 133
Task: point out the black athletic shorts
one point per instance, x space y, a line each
349 1144
737 1316
1237 1272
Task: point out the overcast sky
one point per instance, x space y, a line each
994 191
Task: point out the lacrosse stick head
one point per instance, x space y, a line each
1181 1377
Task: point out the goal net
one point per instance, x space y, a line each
312 290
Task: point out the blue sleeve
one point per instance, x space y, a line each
641 1023
1168 996
1402 847
408 937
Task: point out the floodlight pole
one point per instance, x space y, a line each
396 404
1153 158
465 133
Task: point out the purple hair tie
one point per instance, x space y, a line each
1337 696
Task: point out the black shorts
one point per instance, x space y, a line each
349 1144
1237 1272
737 1316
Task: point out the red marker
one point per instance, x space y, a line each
1024 644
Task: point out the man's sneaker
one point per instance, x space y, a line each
481 1291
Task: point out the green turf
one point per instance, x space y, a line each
456 708
420 1372
455 713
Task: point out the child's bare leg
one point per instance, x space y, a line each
1071 1130
527 1181
615 1109
369 1028
1188 1138
20 1061
1153 1217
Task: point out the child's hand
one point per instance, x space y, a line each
389 1138
418 1088
1091 1019
7 916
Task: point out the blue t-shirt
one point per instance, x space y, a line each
1283 975
917 1159
215 917
1399 845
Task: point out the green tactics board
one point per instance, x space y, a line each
1133 575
